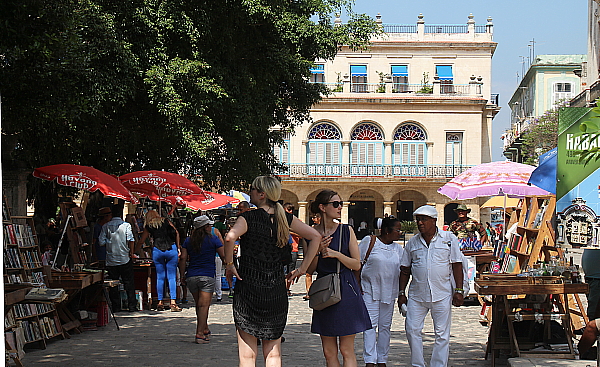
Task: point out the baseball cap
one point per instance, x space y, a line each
201 221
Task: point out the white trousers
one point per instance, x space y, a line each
218 275
377 340
441 313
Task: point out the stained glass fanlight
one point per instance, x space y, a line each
324 130
409 131
367 131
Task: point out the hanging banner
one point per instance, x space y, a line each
577 187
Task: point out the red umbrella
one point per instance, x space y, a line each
85 178
197 202
160 185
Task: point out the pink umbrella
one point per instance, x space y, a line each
491 179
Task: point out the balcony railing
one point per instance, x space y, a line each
412 88
369 170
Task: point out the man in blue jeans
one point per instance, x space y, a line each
118 238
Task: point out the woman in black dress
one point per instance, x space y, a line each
260 302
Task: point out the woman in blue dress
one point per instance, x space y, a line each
338 324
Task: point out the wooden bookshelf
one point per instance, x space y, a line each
534 237
79 250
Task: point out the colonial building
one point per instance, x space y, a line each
549 80
402 119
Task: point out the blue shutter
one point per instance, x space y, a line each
358 70
399 70
444 72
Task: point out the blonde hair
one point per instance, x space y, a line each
272 189
153 219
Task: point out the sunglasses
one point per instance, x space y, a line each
336 204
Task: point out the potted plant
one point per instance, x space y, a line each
425 87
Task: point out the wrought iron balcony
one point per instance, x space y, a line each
373 170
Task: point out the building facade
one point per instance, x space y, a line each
590 70
549 80
402 119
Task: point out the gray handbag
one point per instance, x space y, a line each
326 290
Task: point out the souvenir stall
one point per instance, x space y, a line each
533 292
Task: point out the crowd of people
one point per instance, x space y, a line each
259 252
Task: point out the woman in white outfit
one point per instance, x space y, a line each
379 281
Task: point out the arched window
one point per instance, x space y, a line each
366 131
409 145
324 130
366 149
409 131
324 150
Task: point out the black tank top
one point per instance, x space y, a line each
163 236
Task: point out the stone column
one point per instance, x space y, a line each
345 213
302 211
489 27
421 28
346 84
387 208
437 86
345 158
440 210
387 157
471 26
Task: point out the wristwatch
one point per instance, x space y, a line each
402 293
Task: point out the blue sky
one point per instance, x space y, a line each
558 27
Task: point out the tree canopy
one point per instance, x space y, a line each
541 135
200 87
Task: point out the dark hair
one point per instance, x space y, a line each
197 238
387 224
322 198
117 210
244 203
289 206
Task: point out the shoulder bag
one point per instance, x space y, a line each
357 273
326 291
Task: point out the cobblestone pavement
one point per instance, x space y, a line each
151 338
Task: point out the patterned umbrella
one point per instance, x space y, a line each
160 185
85 178
201 202
491 179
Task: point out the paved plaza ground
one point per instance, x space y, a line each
151 338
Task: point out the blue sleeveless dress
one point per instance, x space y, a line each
350 315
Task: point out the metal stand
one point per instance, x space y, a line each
107 297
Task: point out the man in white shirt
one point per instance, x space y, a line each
118 238
432 257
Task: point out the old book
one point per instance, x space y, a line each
45 294
79 217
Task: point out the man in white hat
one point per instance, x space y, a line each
432 257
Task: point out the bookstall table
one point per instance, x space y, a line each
502 287
72 283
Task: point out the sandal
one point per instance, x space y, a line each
202 340
175 308
160 307
207 335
